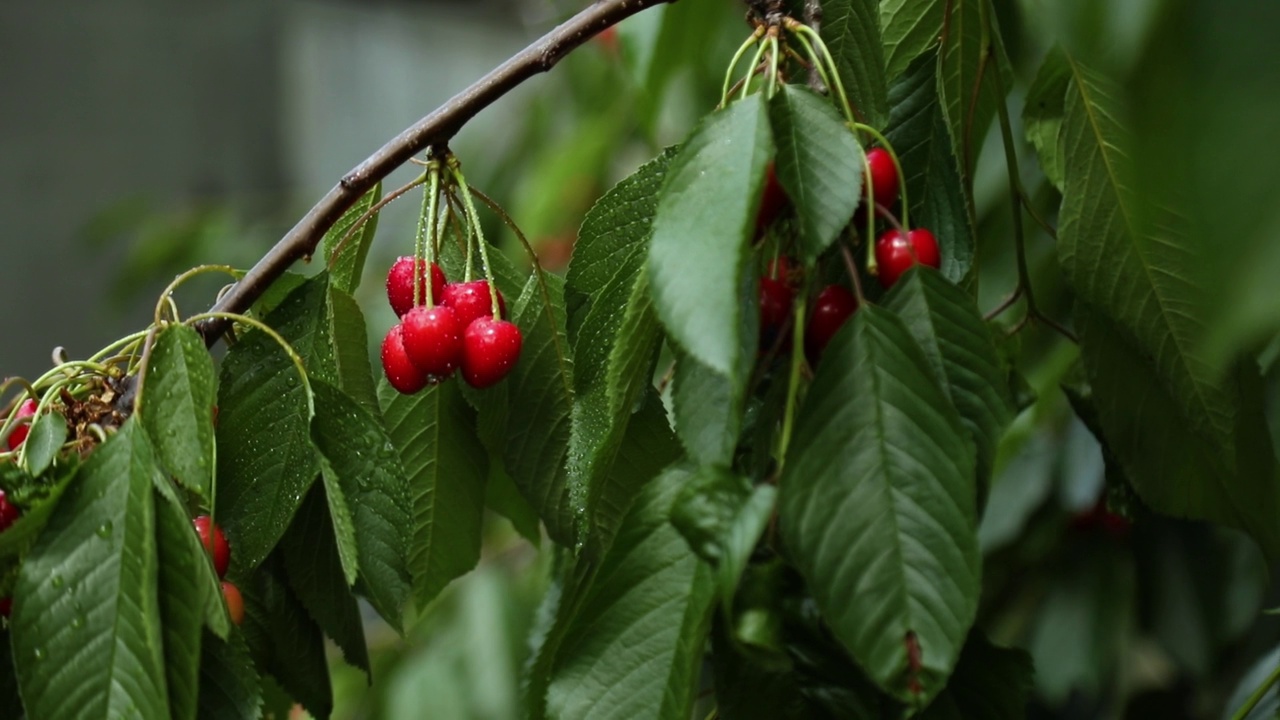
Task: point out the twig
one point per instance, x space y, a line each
813 18
434 129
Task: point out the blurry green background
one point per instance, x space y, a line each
142 137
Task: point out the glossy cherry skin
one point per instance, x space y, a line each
884 177
403 375
470 300
772 200
20 432
217 544
490 349
895 253
235 602
776 298
832 308
433 340
400 285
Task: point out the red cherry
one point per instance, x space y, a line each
399 369
772 200
433 340
9 513
235 602
896 252
471 300
775 306
216 544
831 309
6 606
490 349
785 269
884 177
400 285
19 434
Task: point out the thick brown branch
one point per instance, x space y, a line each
433 130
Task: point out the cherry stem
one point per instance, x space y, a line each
1257 695
824 56
473 219
793 380
873 268
373 210
753 68
897 166
177 281
733 64
284 345
771 85
423 248
852 269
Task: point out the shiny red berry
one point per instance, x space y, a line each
776 298
235 602
490 349
433 340
470 300
884 177
19 433
396 365
896 252
772 200
833 306
214 542
9 513
400 285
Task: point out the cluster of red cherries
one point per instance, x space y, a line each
215 543
896 251
453 327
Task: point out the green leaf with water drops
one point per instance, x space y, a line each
357 451
186 579
351 349
19 535
346 249
229 685
176 396
266 461
435 434
47 435
86 619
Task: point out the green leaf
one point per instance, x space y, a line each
819 164
15 539
359 454
315 573
346 261
1190 438
265 459
351 349
503 497
990 683
877 507
708 412
434 433
540 398
946 322
611 323
851 29
285 640
918 131
100 655
966 59
1043 114
652 597
47 435
175 403
910 28
186 579
229 684
706 214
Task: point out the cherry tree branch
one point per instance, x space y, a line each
434 130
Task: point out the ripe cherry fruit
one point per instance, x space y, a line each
772 200
399 369
896 252
471 300
400 284
20 432
235 602
834 305
9 513
433 340
490 349
776 297
214 542
884 177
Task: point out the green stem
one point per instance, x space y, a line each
771 84
897 166
751 69
1257 695
473 219
733 64
826 57
422 237
284 345
793 382
173 286
816 63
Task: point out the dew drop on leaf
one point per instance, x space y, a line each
104 530
56 581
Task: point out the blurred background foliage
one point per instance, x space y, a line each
144 139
